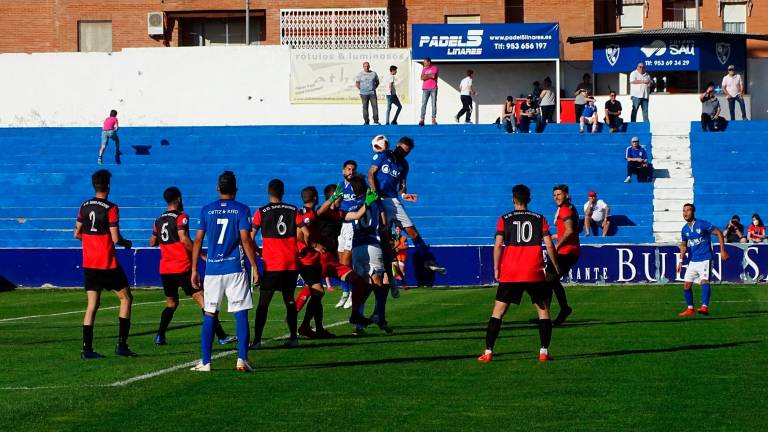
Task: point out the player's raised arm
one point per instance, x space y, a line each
372 178
197 248
721 240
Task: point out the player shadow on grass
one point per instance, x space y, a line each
693 347
383 361
675 320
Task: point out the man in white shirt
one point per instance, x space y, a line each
595 214
390 91
466 91
639 89
733 87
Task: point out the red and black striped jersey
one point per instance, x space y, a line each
522 232
174 257
309 256
567 212
97 215
278 223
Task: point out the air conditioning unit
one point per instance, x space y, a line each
156 23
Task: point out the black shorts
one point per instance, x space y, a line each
312 274
279 280
173 281
512 292
109 279
565 262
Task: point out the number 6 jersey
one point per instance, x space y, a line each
222 221
174 257
96 216
278 222
523 232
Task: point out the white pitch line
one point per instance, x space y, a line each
79 312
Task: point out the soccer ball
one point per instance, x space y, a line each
379 143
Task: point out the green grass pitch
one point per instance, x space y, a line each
624 361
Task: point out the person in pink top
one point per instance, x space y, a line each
109 130
733 87
429 90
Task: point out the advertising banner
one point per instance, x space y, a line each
478 42
328 76
672 54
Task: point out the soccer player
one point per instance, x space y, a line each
518 266
171 233
227 224
97 227
387 178
697 236
278 223
568 248
349 202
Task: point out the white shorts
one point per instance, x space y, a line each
234 285
697 271
395 211
368 259
345 237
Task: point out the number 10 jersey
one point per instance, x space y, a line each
522 232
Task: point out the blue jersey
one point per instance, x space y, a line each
391 171
222 221
366 229
699 240
348 199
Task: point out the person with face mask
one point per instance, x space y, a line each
756 231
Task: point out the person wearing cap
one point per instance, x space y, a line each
637 161
733 87
588 115
734 232
595 214
710 110
529 111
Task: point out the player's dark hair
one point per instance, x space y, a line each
759 219
171 194
100 180
521 194
276 188
113 113
349 162
358 185
693 207
392 68
470 72
227 183
407 141
328 190
309 194
561 187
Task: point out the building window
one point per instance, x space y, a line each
349 28
514 11
462 19
94 36
632 17
219 31
735 18
680 14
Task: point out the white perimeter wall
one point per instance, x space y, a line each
250 85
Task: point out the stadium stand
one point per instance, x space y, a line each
462 173
727 169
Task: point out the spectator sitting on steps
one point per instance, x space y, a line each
734 232
637 161
508 114
756 231
588 115
596 214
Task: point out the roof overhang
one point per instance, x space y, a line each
665 33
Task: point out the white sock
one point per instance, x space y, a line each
487 351
543 351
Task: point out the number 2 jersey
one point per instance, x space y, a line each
174 257
222 221
278 223
96 216
523 232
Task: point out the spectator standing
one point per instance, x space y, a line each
429 90
582 90
536 92
756 231
613 113
547 102
529 112
367 82
588 115
639 89
637 161
710 110
733 87
109 131
734 232
390 90
508 115
596 214
466 91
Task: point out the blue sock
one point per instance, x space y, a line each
206 338
706 291
345 287
242 330
688 294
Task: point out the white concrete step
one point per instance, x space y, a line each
665 205
673 194
674 164
668 216
667 237
668 226
673 183
670 128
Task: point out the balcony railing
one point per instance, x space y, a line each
687 24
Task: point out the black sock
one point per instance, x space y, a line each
125 328
260 322
88 338
310 312
165 320
545 332
292 317
218 329
559 291
318 311
494 327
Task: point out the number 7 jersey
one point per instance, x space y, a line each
522 232
222 221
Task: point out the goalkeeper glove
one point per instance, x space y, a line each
370 197
336 194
